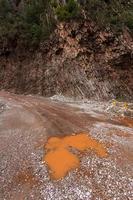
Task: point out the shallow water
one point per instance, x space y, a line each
28 122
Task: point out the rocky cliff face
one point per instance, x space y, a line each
79 60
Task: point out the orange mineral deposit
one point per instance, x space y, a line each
59 158
60 162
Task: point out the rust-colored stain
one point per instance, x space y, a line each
126 121
61 160
25 177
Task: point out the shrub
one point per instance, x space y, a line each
5 8
113 13
128 19
70 10
31 24
32 11
36 19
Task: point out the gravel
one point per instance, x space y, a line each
24 130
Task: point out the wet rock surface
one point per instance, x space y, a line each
25 128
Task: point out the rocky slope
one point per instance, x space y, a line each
79 60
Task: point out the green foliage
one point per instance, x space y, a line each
7 25
35 20
54 3
31 24
32 12
68 11
5 8
114 13
128 19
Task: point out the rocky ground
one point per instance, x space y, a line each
26 123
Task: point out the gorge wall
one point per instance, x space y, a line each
79 60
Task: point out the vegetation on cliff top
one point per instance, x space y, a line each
31 21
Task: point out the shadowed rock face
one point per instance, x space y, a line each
29 123
79 60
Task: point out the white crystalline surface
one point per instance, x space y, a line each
26 122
